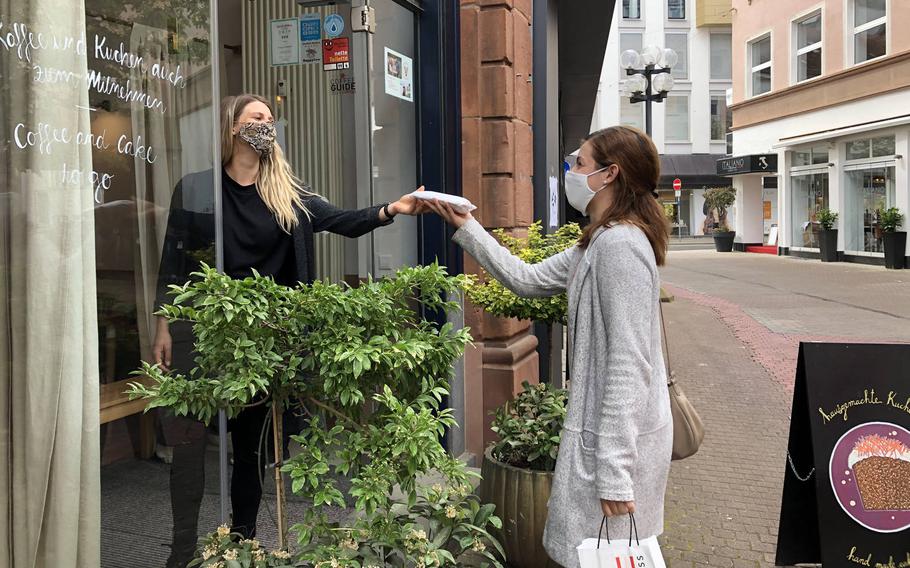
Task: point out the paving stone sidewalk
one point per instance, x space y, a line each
734 332
722 504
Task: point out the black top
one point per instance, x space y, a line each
191 232
253 239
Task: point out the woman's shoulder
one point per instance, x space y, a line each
621 243
620 233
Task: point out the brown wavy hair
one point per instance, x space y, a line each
633 189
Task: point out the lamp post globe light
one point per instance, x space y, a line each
649 76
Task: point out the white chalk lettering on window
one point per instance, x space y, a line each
137 86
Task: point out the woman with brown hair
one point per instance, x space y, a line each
614 456
268 220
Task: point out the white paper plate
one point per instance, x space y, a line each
460 204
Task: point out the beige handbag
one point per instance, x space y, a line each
688 429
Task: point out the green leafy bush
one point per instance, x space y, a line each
826 218
362 358
489 294
720 199
890 220
529 427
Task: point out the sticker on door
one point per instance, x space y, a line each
399 75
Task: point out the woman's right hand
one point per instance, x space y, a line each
447 212
161 349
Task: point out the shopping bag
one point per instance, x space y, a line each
632 553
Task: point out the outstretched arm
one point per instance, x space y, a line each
545 278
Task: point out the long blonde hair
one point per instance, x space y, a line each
280 190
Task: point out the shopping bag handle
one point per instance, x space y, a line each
604 524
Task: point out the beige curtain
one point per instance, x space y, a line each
50 495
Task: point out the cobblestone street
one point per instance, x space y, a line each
734 330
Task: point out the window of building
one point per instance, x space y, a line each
631 9
721 56
760 65
677 123
810 195
721 118
631 114
809 47
869 191
630 40
878 147
676 9
680 44
870 18
811 156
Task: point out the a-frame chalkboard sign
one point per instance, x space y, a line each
846 500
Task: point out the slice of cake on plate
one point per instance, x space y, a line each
881 468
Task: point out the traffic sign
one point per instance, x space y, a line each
678 193
677 185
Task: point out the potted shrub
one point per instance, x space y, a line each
719 199
827 239
895 242
371 374
517 471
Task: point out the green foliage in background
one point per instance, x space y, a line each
720 199
890 220
489 294
826 218
529 427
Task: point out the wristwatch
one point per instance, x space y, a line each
385 209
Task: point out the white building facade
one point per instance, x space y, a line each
824 86
690 127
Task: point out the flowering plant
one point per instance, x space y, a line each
224 549
444 527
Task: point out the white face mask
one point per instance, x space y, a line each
578 192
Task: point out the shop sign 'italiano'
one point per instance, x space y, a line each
846 500
752 164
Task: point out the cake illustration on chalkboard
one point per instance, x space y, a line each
881 468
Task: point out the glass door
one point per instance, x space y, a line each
810 194
392 130
869 192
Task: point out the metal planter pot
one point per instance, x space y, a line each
827 243
895 249
520 496
723 242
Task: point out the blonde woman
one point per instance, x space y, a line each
268 222
614 456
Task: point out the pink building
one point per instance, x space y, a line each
820 91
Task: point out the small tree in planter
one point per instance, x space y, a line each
827 219
518 470
895 242
363 357
719 199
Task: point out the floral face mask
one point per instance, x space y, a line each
259 135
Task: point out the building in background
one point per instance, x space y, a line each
821 91
690 127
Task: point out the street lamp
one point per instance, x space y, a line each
649 81
649 76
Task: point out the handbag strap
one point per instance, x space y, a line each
604 524
664 345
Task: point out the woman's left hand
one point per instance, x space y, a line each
408 205
617 508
